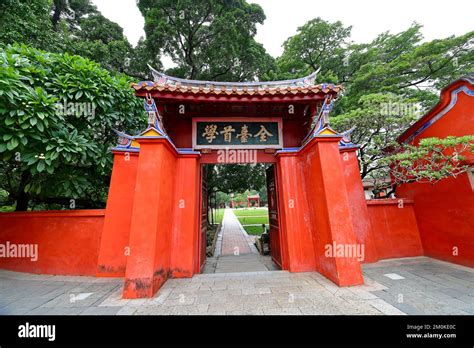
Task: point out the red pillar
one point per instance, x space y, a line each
297 252
148 265
358 204
118 215
329 213
185 252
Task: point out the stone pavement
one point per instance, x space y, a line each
242 263
427 286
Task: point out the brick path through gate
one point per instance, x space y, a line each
235 250
234 241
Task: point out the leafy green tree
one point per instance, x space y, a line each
432 160
73 26
210 39
101 40
318 45
402 64
57 115
71 11
86 32
398 63
379 119
394 69
27 21
141 59
222 199
232 178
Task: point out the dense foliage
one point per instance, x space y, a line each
209 40
389 82
430 161
57 115
76 27
234 178
379 119
50 155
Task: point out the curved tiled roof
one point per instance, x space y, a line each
303 85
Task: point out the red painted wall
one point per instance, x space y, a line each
358 205
180 131
164 220
293 132
331 218
445 215
68 240
185 229
148 264
445 210
118 216
394 228
314 209
296 238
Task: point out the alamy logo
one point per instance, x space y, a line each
37 331
10 250
77 109
237 156
337 250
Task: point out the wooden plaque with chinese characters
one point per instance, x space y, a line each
236 132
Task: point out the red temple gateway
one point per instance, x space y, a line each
155 206
153 227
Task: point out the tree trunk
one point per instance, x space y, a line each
22 202
23 197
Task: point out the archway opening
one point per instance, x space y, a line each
239 227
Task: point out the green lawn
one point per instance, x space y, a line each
252 216
254 230
250 212
252 220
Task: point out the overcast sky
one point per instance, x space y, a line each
367 17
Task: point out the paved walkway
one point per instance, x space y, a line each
413 286
234 241
236 252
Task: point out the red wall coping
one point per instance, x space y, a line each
54 213
388 201
445 99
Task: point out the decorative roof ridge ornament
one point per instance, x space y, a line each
122 134
322 126
154 128
155 120
125 141
162 79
